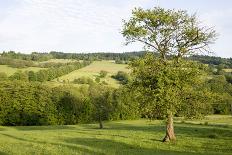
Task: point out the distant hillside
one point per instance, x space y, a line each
119 57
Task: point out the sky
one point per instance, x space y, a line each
94 25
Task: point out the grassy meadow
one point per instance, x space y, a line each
10 70
120 137
93 70
59 61
228 70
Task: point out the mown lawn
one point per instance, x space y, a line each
119 137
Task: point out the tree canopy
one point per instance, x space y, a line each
169 32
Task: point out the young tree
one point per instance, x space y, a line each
101 99
31 76
167 84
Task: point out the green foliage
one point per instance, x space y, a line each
169 87
19 76
32 103
97 79
128 106
103 73
168 32
118 61
123 77
3 76
83 80
25 104
222 94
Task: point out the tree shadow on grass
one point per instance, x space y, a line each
3 153
189 130
52 127
72 147
107 146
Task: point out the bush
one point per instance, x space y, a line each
213 136
118 61
103 74
121 76
3 76
32 103
83 80
19 75
97 79
25 103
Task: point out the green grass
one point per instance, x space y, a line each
10 70
228 70
118 137
93 70
59 60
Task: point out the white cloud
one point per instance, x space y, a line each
91 25
67 25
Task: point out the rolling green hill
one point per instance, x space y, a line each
93 70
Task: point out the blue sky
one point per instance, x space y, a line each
94 25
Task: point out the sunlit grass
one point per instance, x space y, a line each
93 70
10 70
227 70
118 137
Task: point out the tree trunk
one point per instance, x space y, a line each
170 135
100 122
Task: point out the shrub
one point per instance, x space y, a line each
83 80
213 136
97 79
3 76
103 74
121 76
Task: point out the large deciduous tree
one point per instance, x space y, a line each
169 85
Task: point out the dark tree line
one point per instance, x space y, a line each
118 57
30 103
17 63
212 60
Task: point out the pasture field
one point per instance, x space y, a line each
228 70
10 70
59 60
93 70
133 137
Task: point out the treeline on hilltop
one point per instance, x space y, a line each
47 74
212 60
126 56
18 63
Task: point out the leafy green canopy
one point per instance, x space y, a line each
170 87
168 32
